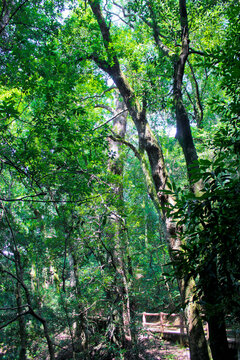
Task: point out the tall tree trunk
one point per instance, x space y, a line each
197 341
217 334
21 320
80 332
184 133
196 336
19 275
119 238
148 143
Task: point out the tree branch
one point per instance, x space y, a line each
14 308
98 96
14 277
117 138
199 109
157 35
112 118
7 257
11 16
14 319
106 107
117 15
24 197
54 201
193 51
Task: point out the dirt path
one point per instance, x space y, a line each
157 349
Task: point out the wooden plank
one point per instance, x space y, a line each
151 314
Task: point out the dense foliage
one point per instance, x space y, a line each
85 244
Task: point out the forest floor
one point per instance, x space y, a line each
151 347
154 348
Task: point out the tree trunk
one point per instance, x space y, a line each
196 336
198 109
80 331
148 143
217 337
217 333
21 320
214 313
116 219
184 133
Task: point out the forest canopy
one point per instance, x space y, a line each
120 191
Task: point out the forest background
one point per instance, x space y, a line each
105 214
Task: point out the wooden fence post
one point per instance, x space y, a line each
161 322
144 319
181 324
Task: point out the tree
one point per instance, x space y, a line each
147 142
212 216
58 178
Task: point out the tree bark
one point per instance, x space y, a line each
197 342
214 314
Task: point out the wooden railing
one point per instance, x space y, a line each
173 324
164 322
